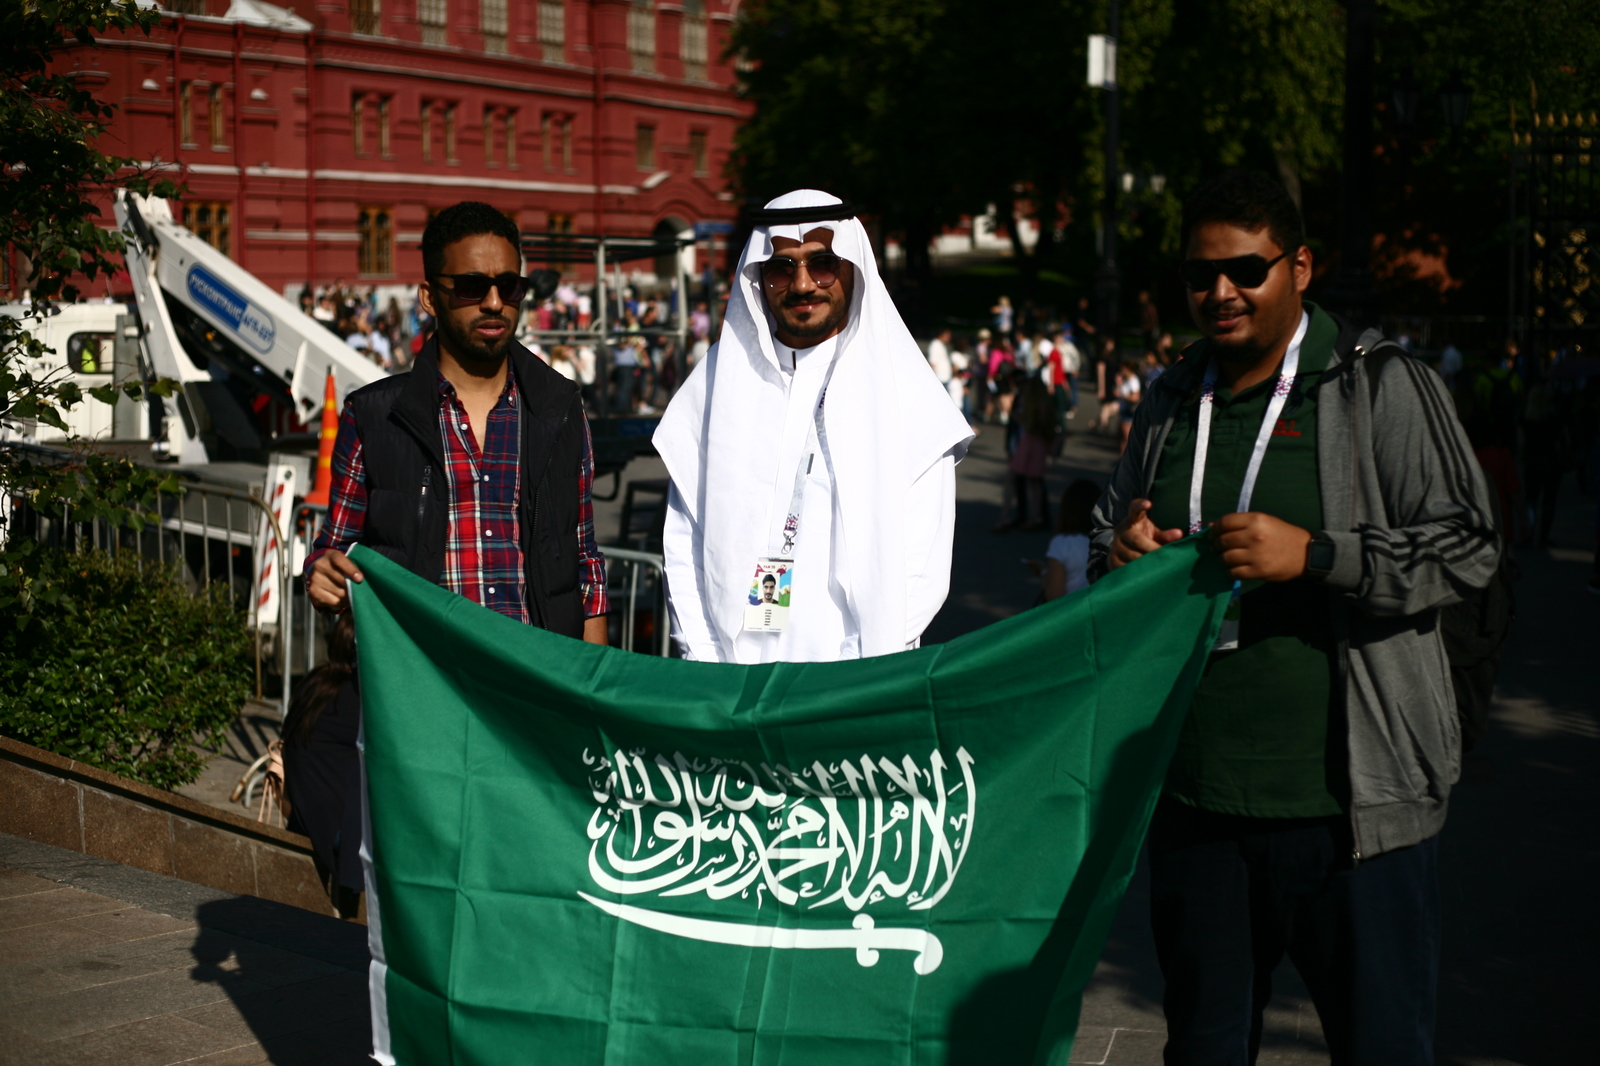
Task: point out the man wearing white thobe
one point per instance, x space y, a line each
863 457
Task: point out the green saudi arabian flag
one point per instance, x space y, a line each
588 856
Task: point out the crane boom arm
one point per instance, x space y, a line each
167 262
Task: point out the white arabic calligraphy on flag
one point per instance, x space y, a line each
857 833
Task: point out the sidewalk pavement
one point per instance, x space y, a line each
105 964
246 740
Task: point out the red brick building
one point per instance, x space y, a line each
316 144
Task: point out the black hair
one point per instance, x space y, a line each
1077 507
317 691
1250 200
457 222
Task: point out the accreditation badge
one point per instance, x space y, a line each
768 608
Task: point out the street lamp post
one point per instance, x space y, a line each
1103 74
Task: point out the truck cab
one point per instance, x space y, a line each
81 340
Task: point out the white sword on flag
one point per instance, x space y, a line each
865 938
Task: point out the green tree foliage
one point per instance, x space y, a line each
49 152
849 99
52 170
1236 83
99 662
926 110
121 668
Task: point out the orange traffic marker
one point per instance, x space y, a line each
323 481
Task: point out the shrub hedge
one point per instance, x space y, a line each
121 669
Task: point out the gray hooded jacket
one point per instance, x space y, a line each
1413 526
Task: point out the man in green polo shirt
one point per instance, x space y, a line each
1302 808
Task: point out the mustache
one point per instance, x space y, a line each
481 319
815 296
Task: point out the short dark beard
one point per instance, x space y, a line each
459 342
818 328
1246 354
838 311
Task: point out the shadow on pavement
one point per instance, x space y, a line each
1521 854
298 980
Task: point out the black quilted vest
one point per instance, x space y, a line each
398 419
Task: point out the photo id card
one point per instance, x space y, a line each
768 608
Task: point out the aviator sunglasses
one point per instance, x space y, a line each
1245 271
779 271
472 288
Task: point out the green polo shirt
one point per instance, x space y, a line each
1257 741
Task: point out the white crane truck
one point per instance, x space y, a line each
207 323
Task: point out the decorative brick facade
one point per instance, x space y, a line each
317 152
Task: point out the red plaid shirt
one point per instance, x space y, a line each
483 541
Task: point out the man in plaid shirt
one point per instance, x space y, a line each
476 469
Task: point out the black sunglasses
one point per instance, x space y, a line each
472 288
1245 271
779 271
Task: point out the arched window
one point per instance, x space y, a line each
642 35
692 40
433 16
218 118
358 123
492 24
553 30
375 254
364 16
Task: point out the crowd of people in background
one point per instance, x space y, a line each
1531 420
1026 372
988 372
641 362
385 334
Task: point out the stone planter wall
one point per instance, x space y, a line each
58 801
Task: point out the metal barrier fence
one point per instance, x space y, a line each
209 534
635 580
302 620
637 584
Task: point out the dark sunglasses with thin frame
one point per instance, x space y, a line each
779 271
472 288
1245 271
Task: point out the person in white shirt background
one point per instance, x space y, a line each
1066 566
939 357
1450 363
812 440
1071 364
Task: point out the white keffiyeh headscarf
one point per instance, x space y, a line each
887 421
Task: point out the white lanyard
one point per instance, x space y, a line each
1269 422
808 456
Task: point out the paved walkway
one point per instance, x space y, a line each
105 964
245 741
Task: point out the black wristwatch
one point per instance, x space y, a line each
1319 556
